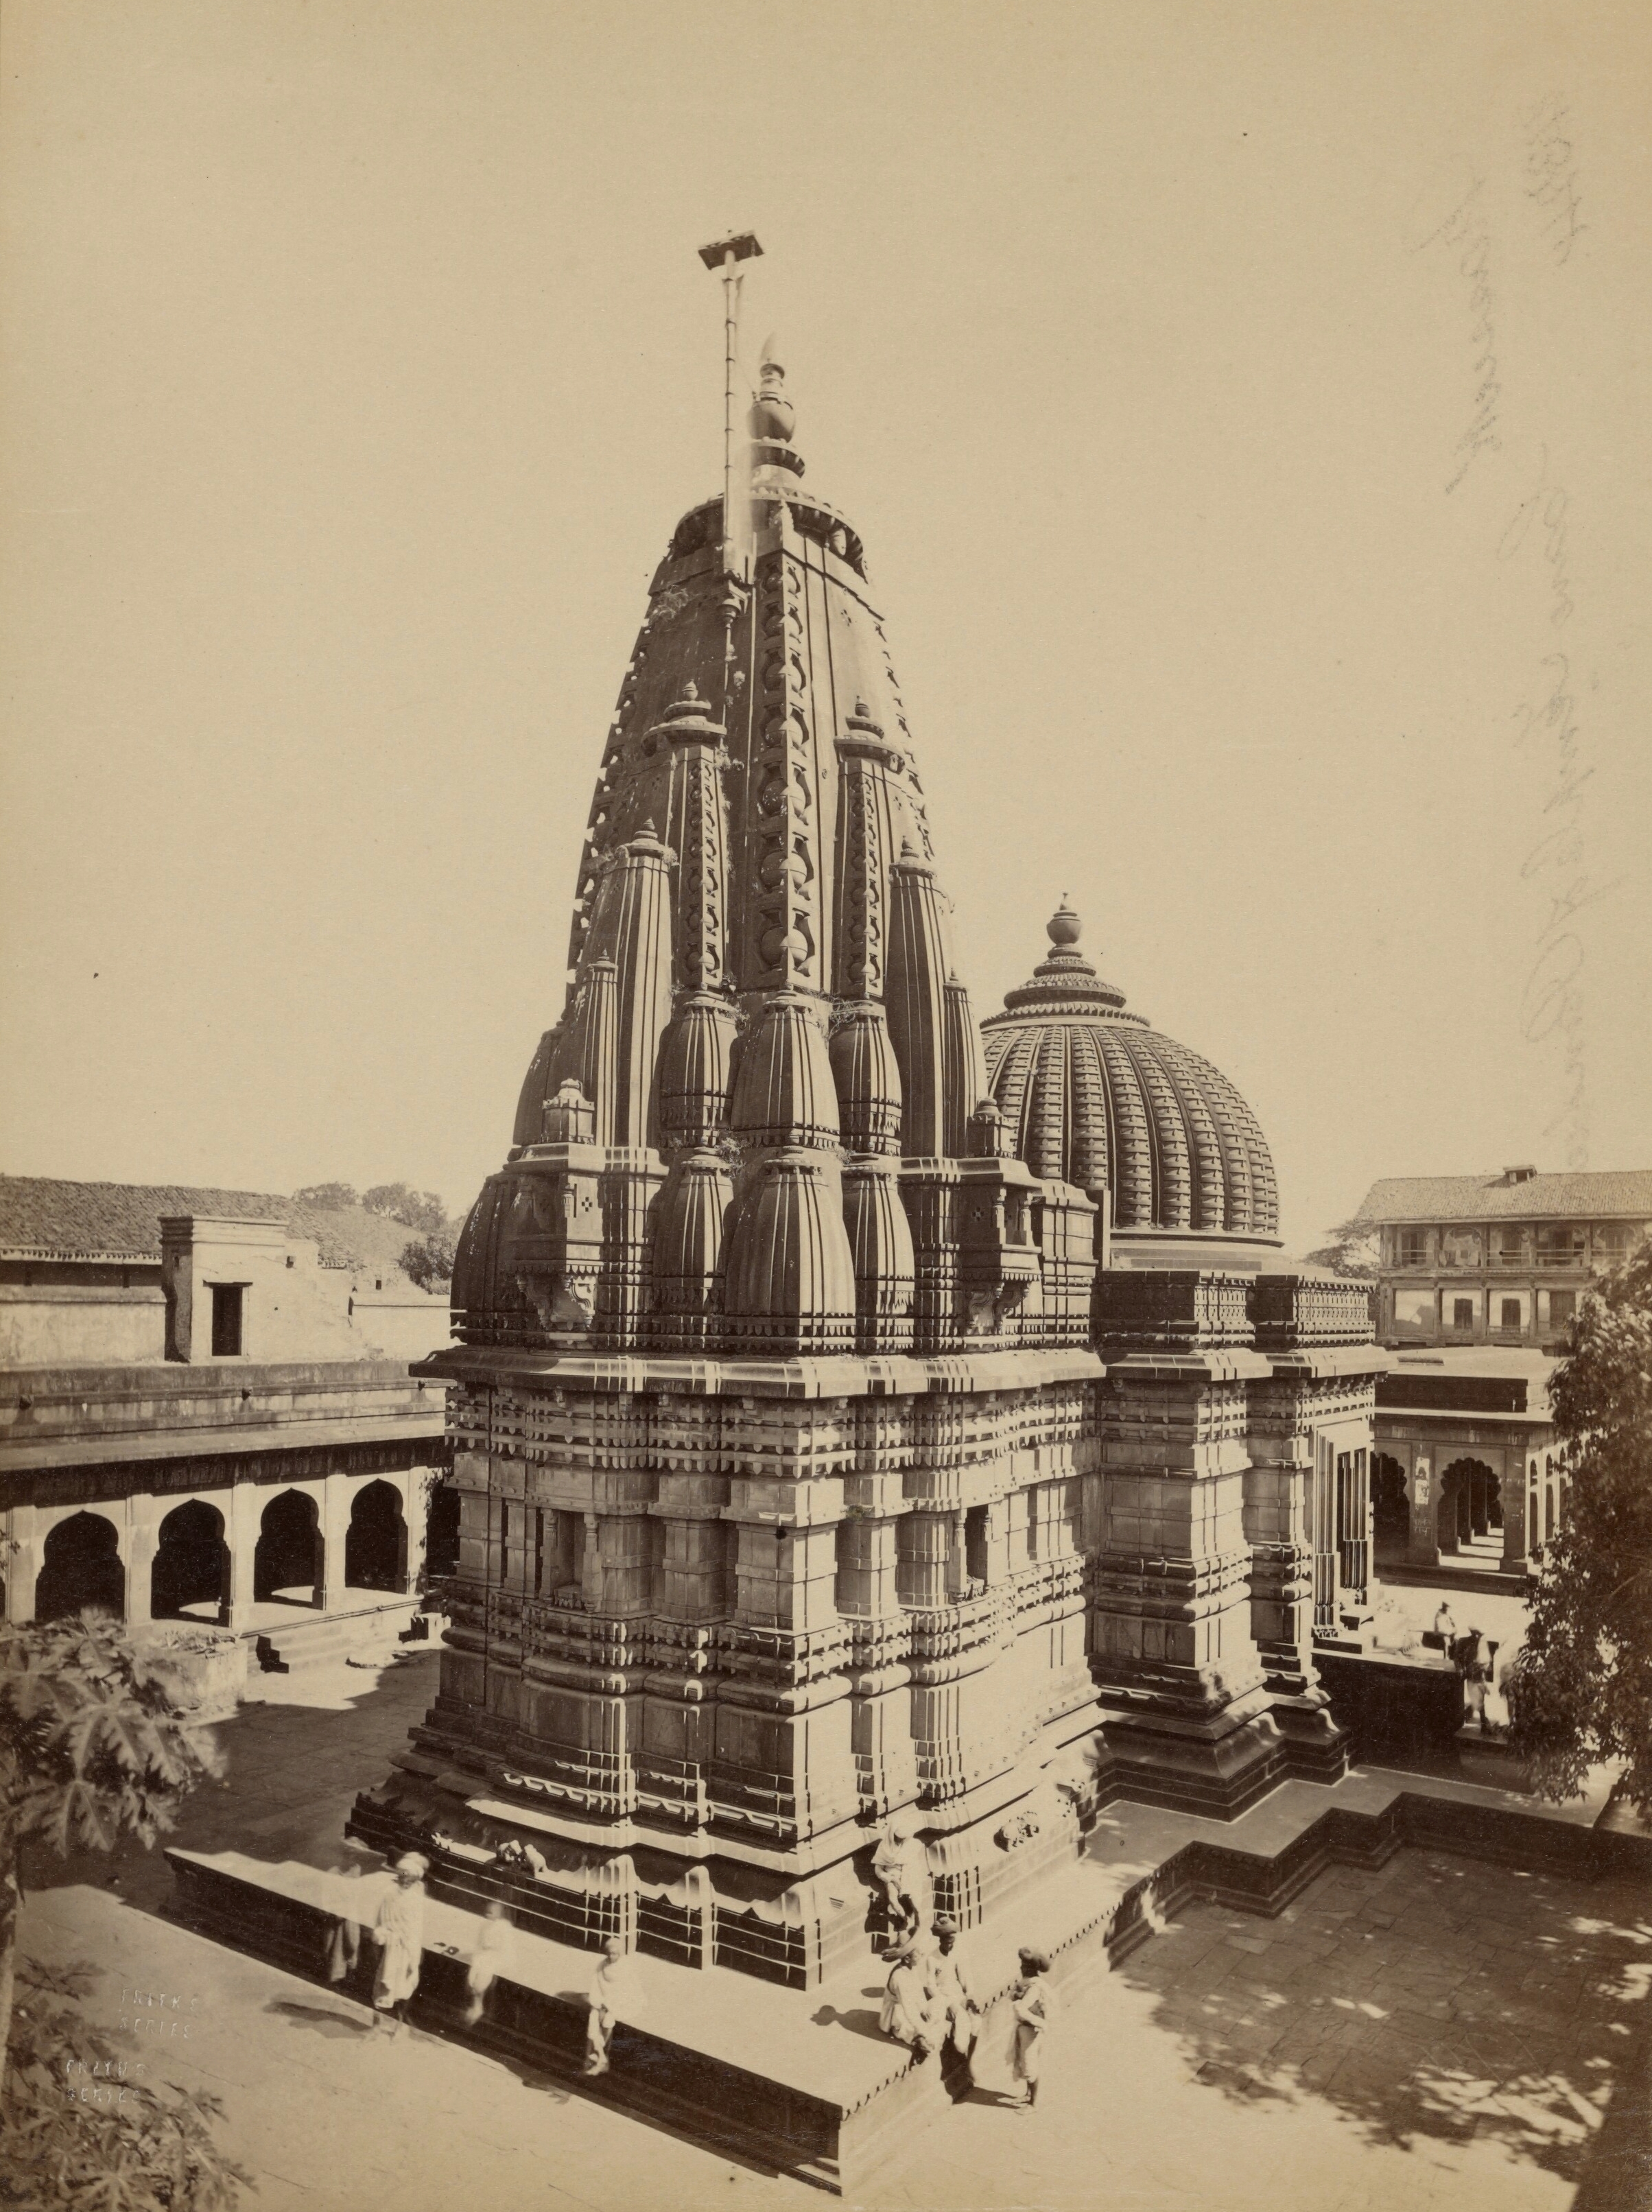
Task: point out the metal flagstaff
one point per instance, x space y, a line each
725 255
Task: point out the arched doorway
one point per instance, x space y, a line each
1390 1507
81 1570
1471 1507
441 1533
188 1574
286 1561
375 1544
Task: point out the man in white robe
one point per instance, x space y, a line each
399 1932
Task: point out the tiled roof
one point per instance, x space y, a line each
1609 1195
41 1214
1474 1363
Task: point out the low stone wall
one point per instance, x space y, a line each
202 1670
59 1324
1394 1709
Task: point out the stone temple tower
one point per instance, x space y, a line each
773 1383
795 1494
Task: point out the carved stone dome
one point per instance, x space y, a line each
1095 1094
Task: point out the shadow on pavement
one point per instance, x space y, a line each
291 1770
1437 1997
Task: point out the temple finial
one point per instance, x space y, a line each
773 417
1063 927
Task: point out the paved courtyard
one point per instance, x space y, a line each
1442 2033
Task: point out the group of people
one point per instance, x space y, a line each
929 2005
928 2002
1474 1656
398 1929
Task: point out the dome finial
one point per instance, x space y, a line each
772 419
1063 927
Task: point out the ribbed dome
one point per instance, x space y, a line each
1095 1094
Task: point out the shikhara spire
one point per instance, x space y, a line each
766 1031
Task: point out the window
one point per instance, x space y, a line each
1563 1304
226 1320
1462 1313
1508 1312
1509 1242
1411 1247
1559 1247
974 1543
569 1551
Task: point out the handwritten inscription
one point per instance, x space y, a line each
1467 229
1552 174
1547 717
1552 1003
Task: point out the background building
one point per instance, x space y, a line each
203 1421
1465 1475
1498 1259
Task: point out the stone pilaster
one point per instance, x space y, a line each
1182 1687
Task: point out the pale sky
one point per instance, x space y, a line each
1244 408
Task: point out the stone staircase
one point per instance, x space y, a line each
322 1639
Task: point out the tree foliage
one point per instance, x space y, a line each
331 1197
1355 1250
429 1261
1581 1690
90 1749
81 2125
415 1209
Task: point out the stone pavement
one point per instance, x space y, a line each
1442 2033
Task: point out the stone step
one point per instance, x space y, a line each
322 1639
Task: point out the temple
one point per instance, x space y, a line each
849 1421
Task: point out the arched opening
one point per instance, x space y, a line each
1471 1508
286 1561
188 1574
1534 1546
81 1570
1390 1507
441 1533
1548 1511
376 1543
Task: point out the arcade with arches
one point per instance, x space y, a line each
227 1556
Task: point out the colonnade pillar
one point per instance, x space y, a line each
21 1568
241 1537
1515 1560
141 1543
332 1523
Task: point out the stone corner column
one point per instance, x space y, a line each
1183 1694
